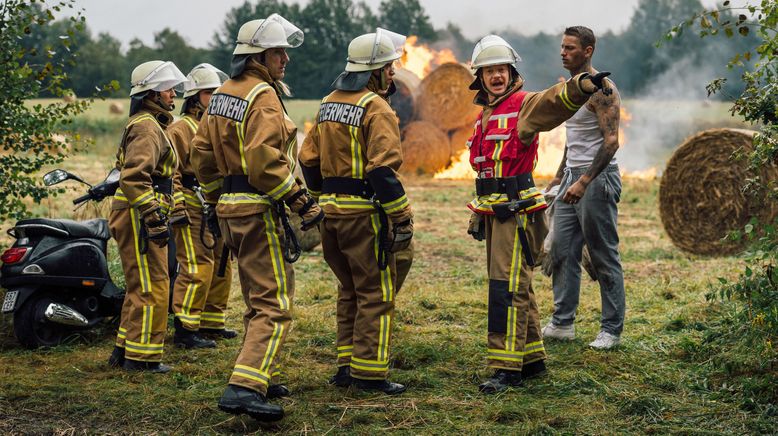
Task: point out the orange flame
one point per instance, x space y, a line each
421 59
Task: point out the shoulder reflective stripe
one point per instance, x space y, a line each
357 168
240 127
566 99
191 122
503 116
283 188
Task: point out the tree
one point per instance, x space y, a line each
28 138
100 62
406 17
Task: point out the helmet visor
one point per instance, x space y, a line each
216 78
292 34
164 77
397 40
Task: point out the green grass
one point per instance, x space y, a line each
656 382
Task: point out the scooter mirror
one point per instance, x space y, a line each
112 176
54 177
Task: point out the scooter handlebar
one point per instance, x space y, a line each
82 199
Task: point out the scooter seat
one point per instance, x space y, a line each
93 229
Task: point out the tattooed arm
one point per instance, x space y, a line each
606 107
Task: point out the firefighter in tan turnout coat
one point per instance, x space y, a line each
199 294
350 160
139 216
507 208
243 157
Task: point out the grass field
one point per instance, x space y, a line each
656 382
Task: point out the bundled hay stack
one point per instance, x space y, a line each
700 196
459 139
444 98
69 97
426 148
116 108
404 100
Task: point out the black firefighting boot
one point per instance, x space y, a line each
342 378
500 381
278 391
384 386
137 365
190 339
117 357
222 333
534 369
239 400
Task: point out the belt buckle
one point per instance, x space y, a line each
487 173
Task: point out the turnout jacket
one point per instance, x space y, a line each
246 132
355 136
145 153
181 134
504 143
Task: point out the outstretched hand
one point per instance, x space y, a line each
599 81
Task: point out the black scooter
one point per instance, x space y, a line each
56 275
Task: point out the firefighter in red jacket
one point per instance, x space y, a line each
503 151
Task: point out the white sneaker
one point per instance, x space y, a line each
564 332
605 341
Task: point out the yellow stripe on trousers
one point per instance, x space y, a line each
148 320
191 265
272 348
276 257
143 266
387 287
513 285
510 335
383 338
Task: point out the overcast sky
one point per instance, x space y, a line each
197 20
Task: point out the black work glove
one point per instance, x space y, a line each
156 224
211 220
401 236
305 206
591 84
476 227
179 216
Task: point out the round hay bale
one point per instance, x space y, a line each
116 108
444 97
459 139
69 97
700 195
404 100
426 148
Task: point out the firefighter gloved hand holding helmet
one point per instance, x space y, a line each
350 160
243 158
503 152
139 216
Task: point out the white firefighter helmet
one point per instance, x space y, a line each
274 31
372 51
493 50
203 76
155 76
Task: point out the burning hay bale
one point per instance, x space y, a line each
700 196
426 148
116 108
404 100
459 139
444 97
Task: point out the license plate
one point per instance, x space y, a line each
10 301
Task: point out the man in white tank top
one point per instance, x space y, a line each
590 190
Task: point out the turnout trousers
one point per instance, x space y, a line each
267 284
143 321
365 294
199 296
514 337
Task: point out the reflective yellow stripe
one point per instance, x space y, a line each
276 257
213 317
178 197
345 202
192 200
291 150
345 347
240 127
142 199
566 100
370 365
141 259
147 320
510 332
395 205
251 374
383 337
192 319
357 170
191 122
171 159
144 348
244 198
272 348
212 186
515 272
283 188
387 287
345 351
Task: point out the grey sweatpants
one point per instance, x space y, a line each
592 220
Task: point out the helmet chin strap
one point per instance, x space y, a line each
158 100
